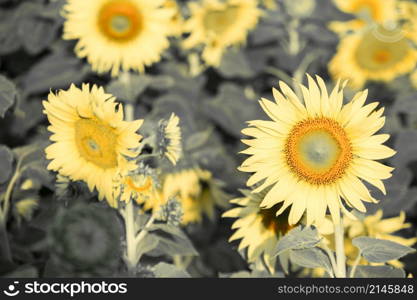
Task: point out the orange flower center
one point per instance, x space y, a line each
318 150
120 20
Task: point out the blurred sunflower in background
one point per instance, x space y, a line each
378 54
258 229
90 138
218 25
118 34
177 20
314 153
374 226
366 12
198 192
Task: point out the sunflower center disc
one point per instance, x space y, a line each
318 150
96 143
219 21
120 20
277 224
380 50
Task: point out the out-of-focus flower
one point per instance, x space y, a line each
198 192
376 227
366 12
373 226
176 24
413 79
314 153
86 239
269 4
170 139
90 138
301 8
259 229
220 24
377 54
118 34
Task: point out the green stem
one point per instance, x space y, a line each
129 219
355 265
340 249
330 254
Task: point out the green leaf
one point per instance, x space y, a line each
55 71
298 238
171 241
6 163
148 243
36 32
129 86
311 258
231 109
377 272
8 94
164 270
379 251
235 64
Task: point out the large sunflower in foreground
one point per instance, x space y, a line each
118 34
220 24
259 229
90 138
197 191
377 54
314 153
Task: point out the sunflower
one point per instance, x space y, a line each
373 226
118 34
170 141
198 192
220 24
90 138
177 20
377 54
314 153
259 229
367 12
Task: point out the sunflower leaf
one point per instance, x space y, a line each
311 258
379 251
164 270
378 272
8 94
298 238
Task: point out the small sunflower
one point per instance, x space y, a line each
259 229
220 24
314 153
377 54
367 12
170 141
198 192
118 34
90 138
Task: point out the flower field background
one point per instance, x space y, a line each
121 143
